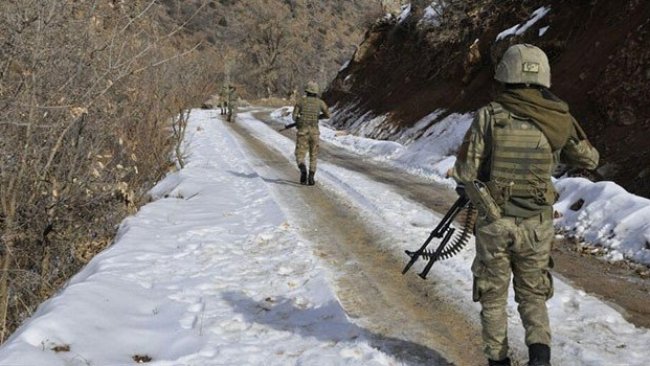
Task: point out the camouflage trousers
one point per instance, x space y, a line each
307 142
230 112
521 247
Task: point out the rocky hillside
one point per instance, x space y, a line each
271 47
441 55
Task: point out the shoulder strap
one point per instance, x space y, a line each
500 115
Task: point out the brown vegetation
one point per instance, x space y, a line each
272 47
94 99
89 93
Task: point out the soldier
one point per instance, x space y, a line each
231 99
223 99
306 113
504 166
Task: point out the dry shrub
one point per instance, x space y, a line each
89 93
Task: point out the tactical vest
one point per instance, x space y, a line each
521 160
309 113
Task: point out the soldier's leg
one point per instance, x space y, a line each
302 146
314 139
233 113
491 270
533 283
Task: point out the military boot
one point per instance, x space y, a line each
539 355
311 179
303 173
504 362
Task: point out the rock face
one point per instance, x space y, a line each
445 60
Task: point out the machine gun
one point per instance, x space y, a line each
446 232
286 127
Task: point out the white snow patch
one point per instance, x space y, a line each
543 30
406 11
522 28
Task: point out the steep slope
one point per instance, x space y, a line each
271 47
426 60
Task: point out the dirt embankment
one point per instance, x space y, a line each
600 60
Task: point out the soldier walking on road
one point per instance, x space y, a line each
504 166
306 113
231 99
223 99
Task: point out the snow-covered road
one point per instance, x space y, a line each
224 268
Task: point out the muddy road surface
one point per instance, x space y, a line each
623 285
403 314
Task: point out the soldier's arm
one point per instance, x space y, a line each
296 112
472 151
578 151
324 110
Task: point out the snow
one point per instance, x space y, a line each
543 30
345 65
211 273
431 14
611 218
520 29
208 274
406 11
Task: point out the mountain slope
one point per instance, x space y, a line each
271 47
407 68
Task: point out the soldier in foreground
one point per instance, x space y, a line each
504 166
306 113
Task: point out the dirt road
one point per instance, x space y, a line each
421 327
403 314
618 284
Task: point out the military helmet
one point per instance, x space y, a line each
524 64
312 87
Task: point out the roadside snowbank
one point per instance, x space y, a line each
208 274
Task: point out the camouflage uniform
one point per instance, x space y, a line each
223 99
513 145
306 114
232 103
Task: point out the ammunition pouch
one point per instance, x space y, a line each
479 193
500 191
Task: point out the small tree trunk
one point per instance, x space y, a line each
4 289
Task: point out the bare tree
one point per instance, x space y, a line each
88 92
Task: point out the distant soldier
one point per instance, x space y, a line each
504 166
306 113
223 99
231 100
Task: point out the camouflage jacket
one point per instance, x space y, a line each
308 111
517 168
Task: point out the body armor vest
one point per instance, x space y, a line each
309 113
521 160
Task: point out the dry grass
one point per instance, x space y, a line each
90 94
